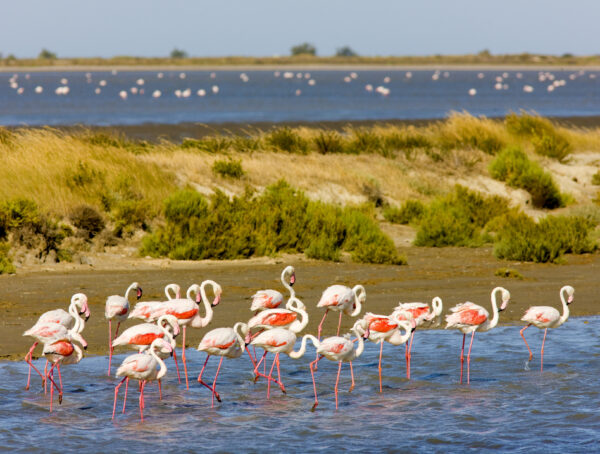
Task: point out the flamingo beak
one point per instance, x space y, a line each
139 292
292 279
570 299
216 300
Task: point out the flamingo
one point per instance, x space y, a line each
341 349
279 340
142 367
116 308
380 328
469 317
545 317
141 336
223 342
421 313
187 312
342 299
60 350
143 309
271 299
70 320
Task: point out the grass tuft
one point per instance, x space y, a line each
229 168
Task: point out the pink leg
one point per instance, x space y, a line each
469 359
142 402
187 385
50 377
542 353
126 389
337 381
176 365
339 324
312 374
380 356
203 383
59 377
269 378
408 356
45 375
523 336
110 347
317 358
116 393
462 358
28 357
159 390
352 375
252 358
279 375
257 374
214 387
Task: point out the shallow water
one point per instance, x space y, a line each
504 408
268 98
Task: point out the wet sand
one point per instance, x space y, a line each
454 274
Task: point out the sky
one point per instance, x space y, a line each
87 28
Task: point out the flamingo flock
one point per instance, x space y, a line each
274 330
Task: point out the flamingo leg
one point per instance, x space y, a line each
116 393
351 375
337 381
203 383
45 374
270 378
408 356
59 377
380 356
469 359
312 374
176 366
110 347
252 358
257 374
50 377
187 386
28 359
542 352
142 401
159 390
317 358
126 389
214 387
279 375
529 349
462 358
339 324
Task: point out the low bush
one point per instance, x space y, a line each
514 167
596 178
411 210
546 140
521 238
508 273
87 219
6 264
286 139
554 145
327 142
281 219
464 130
207 144
407 140
229 168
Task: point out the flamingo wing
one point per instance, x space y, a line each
541 315
335 296
266 299
466 315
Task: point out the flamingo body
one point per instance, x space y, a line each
266 299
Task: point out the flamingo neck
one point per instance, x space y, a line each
244 331
175 289
79 322
358 291
565 315
287 285
398 339
197 321
361 343
129 289
298 354
163 368
165 330
298 326
495 315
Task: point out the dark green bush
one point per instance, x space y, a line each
83 176
411 210
520 238
514 167
6 137
596 178
365 140
407 139
553 145
87 219
207 144
281 219
546 140
228 168
329 142
6 265
286 139
508 273
458 219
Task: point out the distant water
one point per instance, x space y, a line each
267 97
505 408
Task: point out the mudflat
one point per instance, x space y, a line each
454 274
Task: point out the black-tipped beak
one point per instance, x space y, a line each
139 292
85 347
87 318
412 330
246 344
171 353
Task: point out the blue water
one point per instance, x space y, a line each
506 407
265 97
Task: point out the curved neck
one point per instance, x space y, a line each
129 289
287 285
163 368
74 311
175 289
165 330
361 343
358 291
207 304
300 353
397 338
192 291
565 314
244 330
299 325
495 315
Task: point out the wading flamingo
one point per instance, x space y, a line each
142 367
116 308
223 342
545 317
142 310
343 299
271 299
421 313
469 317
187 312
60 351
70 320
141 336
380 328
341 349
278 340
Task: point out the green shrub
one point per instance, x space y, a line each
286 139
87 219
7 137
407 139
508 273
329 142
6 265
596 178
130 215
411 210
228 168
553 145
465 131
365 140
83 176
458 219
527 125
520 238
514 167
207 144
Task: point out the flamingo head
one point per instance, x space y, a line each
505 299
218 292
570 292
81 301
292 278
138 292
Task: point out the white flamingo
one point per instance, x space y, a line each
271 299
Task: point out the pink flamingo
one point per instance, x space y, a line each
117 308
343 299
545 317
271 299
143 309
278 340
469 317
421 313
340 349
223 342
187 312
59 351
142 367
58 317
380 328
141 336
